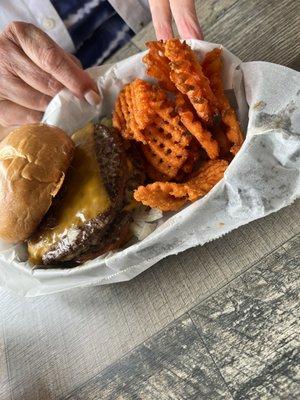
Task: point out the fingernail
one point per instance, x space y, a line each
92 98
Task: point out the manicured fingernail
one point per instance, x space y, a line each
92 98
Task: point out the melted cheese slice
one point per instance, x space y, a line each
84 198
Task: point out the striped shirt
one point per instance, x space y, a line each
96 29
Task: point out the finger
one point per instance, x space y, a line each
162 18
14 114
20 65
14 89
75 59
47 55
186 20
40 81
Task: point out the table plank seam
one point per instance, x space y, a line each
240 273
187 313
7 365
210 355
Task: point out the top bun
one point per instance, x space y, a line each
33 162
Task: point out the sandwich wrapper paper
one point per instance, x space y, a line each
263 178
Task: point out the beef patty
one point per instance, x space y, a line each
78 224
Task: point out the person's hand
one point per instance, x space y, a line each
33 68
184 14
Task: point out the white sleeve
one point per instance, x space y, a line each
40 13
135 13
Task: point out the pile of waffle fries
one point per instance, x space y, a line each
184 125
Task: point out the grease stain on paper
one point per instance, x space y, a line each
259 105
281 120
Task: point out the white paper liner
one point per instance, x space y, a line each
263 177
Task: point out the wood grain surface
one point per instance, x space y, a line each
170 333
240 343
251 327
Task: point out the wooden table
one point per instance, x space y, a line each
215 322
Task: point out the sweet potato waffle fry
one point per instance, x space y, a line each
208 176
158 65
153 174
140 102
170 196
165 138
196 128
145 100
203 136
187 74
168 140
223 142
193 158
132 125
212 67
185 170
156 195
233 132
119 121
124 118
163 151
175 124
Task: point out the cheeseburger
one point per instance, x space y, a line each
69 199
